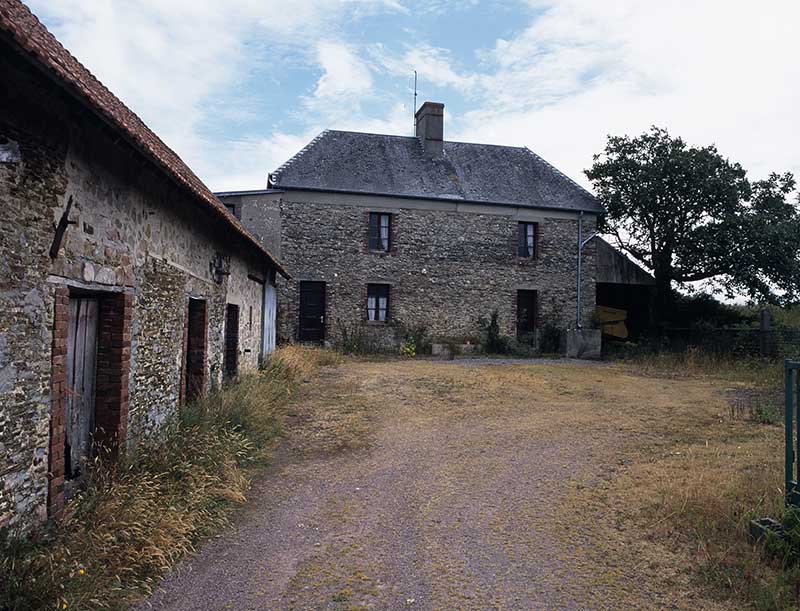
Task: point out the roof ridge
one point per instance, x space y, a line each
559 174
274 176
351 131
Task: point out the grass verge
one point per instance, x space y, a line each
138 517
698 495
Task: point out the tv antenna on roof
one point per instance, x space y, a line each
414 109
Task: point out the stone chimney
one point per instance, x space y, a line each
430 127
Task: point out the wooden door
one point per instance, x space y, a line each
230 363
526 315
81 376
195 366
312 312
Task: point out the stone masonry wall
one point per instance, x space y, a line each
448 267
133 233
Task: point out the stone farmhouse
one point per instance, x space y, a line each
126 289
386 232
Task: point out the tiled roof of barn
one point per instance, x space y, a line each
35 40
378 164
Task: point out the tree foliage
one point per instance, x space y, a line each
689 214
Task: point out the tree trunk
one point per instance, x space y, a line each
663 301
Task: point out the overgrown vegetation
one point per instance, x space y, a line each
695 362
358 339
492 341
720 473
550 339
138 517
415 339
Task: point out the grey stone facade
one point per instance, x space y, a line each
133 231
451 263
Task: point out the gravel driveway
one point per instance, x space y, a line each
453 492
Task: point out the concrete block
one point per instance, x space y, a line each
583 343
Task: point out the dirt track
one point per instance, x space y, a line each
457 490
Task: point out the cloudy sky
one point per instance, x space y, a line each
238 87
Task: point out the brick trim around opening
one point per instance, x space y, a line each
113 375
58 380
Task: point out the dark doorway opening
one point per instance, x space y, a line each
195 366
312 312
230 365
526 316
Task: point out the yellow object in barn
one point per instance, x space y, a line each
612 321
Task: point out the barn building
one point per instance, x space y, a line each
126 289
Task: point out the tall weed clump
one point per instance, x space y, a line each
492 341
138 516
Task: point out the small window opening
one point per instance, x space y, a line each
380 231
378 302
526 240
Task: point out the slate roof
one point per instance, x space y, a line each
377 164
23 28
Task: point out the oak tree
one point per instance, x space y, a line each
689 214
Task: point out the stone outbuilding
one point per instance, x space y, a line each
126 289
382 233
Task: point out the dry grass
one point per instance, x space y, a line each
136 520
661 483
691 480
665 481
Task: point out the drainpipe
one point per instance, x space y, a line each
580 239
581 244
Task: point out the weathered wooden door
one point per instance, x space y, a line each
312 312
195 366
231 359
81 376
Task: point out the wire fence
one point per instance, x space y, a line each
776 343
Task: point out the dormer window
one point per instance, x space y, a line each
380 231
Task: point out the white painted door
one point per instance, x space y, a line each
268 319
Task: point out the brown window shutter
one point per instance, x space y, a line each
519 249
393 234
537 240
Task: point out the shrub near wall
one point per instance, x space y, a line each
136 519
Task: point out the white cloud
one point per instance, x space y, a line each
344 73
717 71
722 71
433 64
167 61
